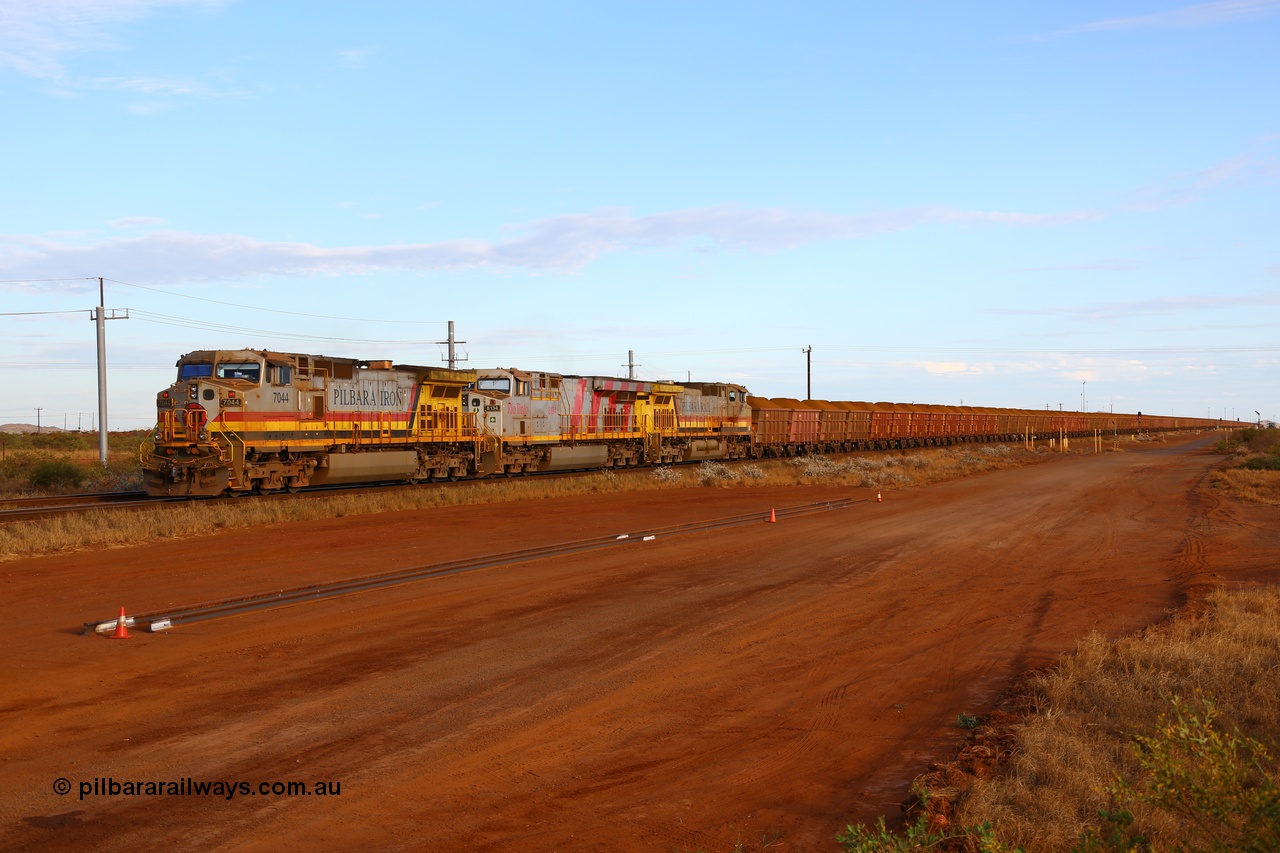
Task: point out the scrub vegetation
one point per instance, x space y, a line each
1161 741
51 463
1253 469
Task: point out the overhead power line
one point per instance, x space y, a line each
271 310
34 313
46 280
189 323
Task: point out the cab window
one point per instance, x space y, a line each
248 370
195 370
501 384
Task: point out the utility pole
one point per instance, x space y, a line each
37 420
808 372
452 342
100 315
631 364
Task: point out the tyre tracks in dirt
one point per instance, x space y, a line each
775 680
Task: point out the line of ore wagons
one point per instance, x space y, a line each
785 425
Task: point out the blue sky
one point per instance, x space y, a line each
988 203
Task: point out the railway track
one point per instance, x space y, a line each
29 508
165 619
26 508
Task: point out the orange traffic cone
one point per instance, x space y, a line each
773 517
122 633
878 498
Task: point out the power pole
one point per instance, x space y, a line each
100 315
808 372
631 364
37 420
453 342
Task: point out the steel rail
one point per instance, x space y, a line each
160 620
55 500
69 504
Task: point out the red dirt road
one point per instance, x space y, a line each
760 683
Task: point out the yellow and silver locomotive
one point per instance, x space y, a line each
251 420
237 421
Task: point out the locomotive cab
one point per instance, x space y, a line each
208 383
485 397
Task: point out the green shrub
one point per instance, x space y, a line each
1222 785
56 474
919 836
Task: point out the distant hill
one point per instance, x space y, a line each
30 428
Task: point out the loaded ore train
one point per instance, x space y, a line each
239 421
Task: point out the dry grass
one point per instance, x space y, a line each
1257 486
115 528
1252 472
1069 753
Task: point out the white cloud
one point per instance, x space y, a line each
1152 307
1188 17
356 58
1194 16
149 109
1100 266
36 36
1256 166
561 243
951 367
135 221
163 87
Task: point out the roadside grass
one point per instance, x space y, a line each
1258 486
1253 471
129 527
1161 741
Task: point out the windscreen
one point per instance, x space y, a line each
195 370
250 370
502 384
